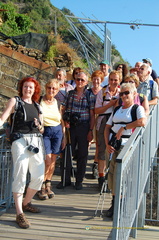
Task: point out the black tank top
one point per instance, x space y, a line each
27 125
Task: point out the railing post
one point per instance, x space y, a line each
116 216
141 212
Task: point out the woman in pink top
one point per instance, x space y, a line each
140 99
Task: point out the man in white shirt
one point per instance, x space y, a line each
104 67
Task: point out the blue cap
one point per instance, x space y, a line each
104 62
145 60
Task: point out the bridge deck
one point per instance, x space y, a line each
69 215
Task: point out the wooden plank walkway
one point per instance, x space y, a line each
69 215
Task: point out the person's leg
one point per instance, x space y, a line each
50 162
95 164
82 132
36 169
112 183
20 163
18 199
20 168
102 163
49 174
29 195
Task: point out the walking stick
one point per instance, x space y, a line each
103 191
68 149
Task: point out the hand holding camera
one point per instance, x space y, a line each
72 118
115 143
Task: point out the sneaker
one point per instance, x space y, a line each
60 185
110 212
22 221
95 170
78 186
30 208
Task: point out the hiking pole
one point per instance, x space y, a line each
103 191
68 149
69 143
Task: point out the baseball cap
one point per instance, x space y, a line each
104 62
147 60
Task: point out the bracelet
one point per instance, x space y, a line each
90 129
125 128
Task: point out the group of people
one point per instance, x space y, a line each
70 112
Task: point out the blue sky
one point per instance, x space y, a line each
134 45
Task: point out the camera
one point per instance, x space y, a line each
66 117
73 118
115 143
33 149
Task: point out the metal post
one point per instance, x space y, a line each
105 42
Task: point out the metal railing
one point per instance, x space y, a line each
6 166
152 198
134 164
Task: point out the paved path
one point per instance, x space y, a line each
69 215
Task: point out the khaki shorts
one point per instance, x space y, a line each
100 138
112 171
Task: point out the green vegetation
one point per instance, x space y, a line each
13 23
40 16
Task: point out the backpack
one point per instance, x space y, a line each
151 86
10 125
104 93
133 113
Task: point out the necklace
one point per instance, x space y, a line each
49 101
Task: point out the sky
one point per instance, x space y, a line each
133 45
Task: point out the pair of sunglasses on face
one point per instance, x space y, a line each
124 93
80 80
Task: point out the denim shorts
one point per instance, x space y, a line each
52 139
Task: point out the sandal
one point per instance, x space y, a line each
22 221
49 192
30 208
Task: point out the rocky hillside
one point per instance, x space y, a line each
40 16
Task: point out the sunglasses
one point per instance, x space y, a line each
122 93
80 79
130 81
52 88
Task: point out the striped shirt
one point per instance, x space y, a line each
82 105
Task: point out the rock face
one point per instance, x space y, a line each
14 66
62 61
17 62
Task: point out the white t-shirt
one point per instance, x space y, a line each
105 81
124 115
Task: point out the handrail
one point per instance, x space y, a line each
132 175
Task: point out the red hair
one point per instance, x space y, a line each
98 73
37 91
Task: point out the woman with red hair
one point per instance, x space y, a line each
27 146
97 78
